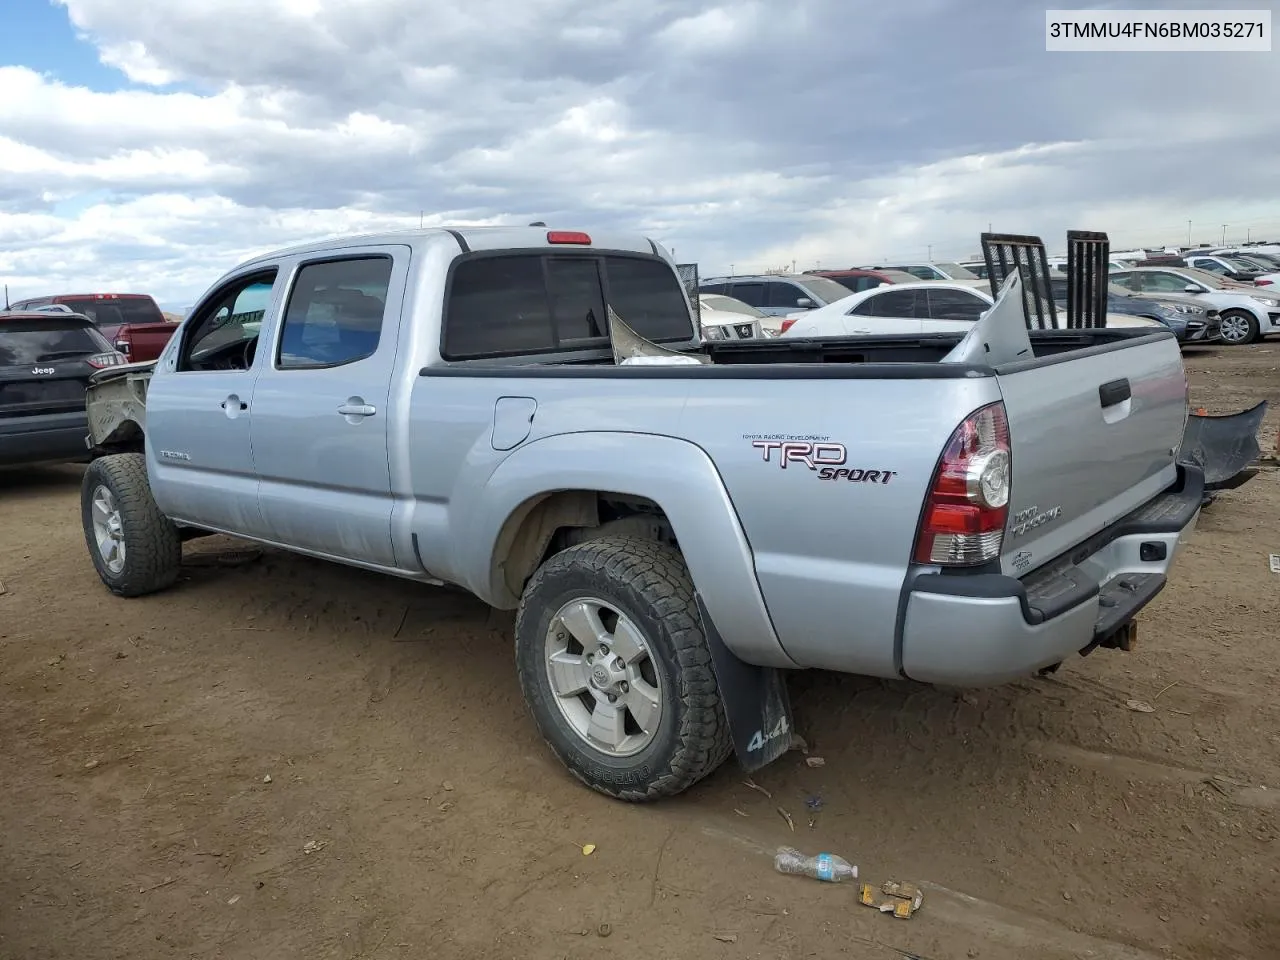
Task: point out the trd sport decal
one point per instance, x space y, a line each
824 457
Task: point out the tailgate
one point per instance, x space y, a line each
1094 434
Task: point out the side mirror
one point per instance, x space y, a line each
1192 288
804 303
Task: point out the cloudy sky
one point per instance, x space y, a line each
148 145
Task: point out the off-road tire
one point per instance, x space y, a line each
1249 318
650 583
153 546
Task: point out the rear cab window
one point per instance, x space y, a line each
529 303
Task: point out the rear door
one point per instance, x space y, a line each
887 312
320 409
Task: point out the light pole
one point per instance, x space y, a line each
1188 233
1224 234
930 253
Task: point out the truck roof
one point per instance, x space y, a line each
479 238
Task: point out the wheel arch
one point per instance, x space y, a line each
576 482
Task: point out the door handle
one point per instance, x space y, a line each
355 409
1116 391
233 403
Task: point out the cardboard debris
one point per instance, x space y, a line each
900 899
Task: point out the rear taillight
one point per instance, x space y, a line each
1263 283
787 324
968 504
100 360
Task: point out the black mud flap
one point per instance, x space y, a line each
1223 447
755 702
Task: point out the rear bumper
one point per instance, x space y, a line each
55 437
989 629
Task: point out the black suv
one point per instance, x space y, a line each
46 360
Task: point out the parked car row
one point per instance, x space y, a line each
132 322
1203 296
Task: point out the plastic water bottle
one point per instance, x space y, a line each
825 866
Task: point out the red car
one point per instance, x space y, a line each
131 322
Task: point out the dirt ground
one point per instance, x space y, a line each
284 758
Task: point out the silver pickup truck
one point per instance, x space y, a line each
448 406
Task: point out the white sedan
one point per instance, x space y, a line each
914 308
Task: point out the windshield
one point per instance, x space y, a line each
824 289
957 272
728 305
25 342
130 310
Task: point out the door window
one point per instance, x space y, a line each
787 295
223 331
749 293
334 314
891 303
955 305
1211 266
1164 282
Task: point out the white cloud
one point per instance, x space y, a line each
131 59
752 133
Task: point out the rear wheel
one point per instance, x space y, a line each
135 548
616 670
1239 327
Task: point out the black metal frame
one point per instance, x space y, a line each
1004 252
1088 260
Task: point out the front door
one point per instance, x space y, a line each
321 416
199 410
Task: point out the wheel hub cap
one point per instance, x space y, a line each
603 676
108 529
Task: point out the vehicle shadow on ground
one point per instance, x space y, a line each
39 480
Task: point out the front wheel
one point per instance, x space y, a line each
616 670
135 548
1239 327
